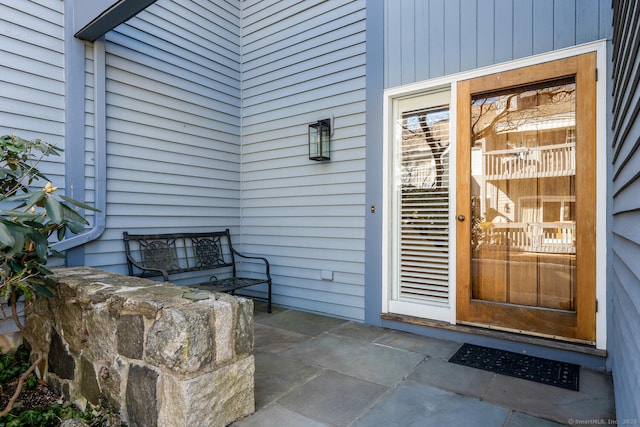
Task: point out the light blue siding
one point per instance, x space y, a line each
468 27
587 22
305 61
624 289
431 38
504 31
409 15
523 38
33 80
485 33
436 37
452 35
172 124
542 26
564 27
393 45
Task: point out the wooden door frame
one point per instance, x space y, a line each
578 326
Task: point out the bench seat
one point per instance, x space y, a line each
167 255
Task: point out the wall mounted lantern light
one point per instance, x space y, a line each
319 137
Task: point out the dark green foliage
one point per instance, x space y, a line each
52 416
30 215
12 365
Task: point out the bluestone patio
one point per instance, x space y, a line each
314 370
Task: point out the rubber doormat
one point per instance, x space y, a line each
545 371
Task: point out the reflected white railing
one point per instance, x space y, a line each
531 162
545 237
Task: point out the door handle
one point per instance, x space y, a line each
461 218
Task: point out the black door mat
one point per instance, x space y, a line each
545 371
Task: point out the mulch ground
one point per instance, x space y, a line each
39 396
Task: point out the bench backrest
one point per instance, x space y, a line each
179 252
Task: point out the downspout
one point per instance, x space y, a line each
100 154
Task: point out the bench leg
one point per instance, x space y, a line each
269 298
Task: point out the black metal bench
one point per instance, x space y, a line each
165 255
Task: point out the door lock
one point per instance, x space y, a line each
461 218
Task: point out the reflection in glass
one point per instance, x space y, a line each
523 195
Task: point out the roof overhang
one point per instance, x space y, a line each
93 19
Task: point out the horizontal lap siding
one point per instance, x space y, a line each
304 61
173 124
624 333
425 39
32 82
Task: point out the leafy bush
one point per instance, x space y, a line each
31 214
12 365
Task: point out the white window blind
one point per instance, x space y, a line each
423 206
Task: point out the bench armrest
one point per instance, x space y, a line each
164 273
266 263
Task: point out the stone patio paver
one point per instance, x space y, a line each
278 416
318 371
301 322
275 340
451 377
276 376
594 401
334 398
359 331
418 405
432 347
370 362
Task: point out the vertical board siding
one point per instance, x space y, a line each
32 82
426 39
468 54
624 341
504 31
304 61
542 26
564 22
452 36
436 38
485 33
587 26
523 38
172 124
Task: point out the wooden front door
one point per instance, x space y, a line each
526 200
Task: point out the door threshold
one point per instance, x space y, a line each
582 348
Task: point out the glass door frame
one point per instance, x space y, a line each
578 325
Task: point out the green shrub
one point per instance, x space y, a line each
31 213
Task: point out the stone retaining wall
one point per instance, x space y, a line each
156 353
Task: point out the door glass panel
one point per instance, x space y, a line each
523 195
423 156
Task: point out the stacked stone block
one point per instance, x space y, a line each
156 353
